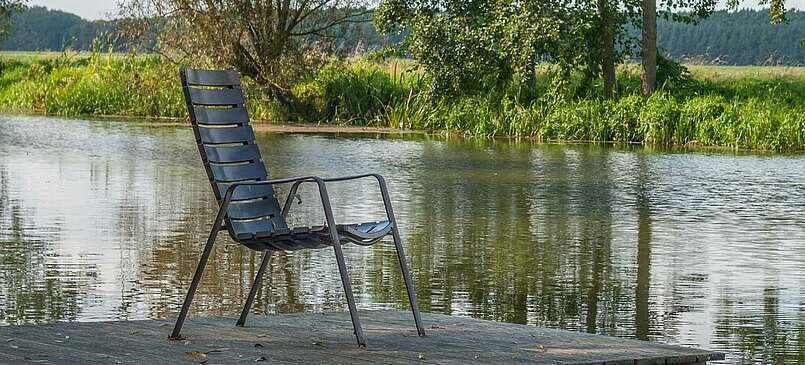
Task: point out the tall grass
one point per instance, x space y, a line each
96 85
101 84
755 111
356 92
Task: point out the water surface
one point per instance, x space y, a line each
104 220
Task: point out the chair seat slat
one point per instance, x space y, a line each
221 116
226 135
216 97
229 173
246 192
219 154
249 229
253 209
211 77
297 238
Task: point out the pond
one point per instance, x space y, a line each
105 220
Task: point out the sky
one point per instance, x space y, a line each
100 9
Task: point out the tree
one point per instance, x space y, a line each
776 9
8 8
612 41
607 34
469 45
275 43
686 11
648 78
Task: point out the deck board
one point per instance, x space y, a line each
327 338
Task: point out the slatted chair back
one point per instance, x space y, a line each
226 142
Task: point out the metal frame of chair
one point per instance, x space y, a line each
248 207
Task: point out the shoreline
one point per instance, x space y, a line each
266 126
257 124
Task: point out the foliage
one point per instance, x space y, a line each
673 75
267 41
7 9
777 10
467 46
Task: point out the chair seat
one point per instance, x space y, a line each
316 237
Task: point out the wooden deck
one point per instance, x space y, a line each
326 338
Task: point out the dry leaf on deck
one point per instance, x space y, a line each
198 355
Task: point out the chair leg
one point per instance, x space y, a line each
205 255
353 309
342 266
339 257
255 286
409 285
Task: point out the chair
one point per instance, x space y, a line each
248 207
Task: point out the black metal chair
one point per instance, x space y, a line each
248 207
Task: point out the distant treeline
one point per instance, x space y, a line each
744 37
40 29
732 38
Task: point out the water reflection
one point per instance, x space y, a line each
105 220
643 285
34 287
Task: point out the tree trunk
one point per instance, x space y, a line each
607 49
649 47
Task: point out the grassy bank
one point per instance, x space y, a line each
754 108
748 108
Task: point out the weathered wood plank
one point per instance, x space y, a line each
328 338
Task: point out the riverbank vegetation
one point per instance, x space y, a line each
753 108
549 71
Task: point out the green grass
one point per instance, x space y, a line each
33 56
740 72
741 107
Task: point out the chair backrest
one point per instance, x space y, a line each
227 146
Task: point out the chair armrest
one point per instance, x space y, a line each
231 190
378 177
380 180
